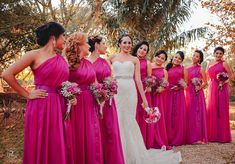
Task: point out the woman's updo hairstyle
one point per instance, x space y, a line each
44 32
92 40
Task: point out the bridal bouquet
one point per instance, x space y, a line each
69 91
100 94
110 84
196 82
153 115
150 81
181 84
222 77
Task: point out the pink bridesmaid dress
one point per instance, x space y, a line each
218 107
111 141
44 140
85 144
147 130
159 100
196 109
176 108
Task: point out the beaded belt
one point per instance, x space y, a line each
124 77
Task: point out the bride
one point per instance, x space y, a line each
125 69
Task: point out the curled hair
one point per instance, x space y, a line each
170 64
121 37
92 40
158 53
44 32
219 49
72 48
137 46
201 55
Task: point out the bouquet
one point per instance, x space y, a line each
196 82
100 94
153 115
162 83
110 84
181 84
150 81
69 91
222 77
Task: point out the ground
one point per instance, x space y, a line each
11 145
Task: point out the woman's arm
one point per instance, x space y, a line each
139 83
204 80
229 71
9 76
149 68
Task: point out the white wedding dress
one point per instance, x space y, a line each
132 142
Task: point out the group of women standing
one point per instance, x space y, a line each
185 117
116 138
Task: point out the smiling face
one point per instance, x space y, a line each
125 44
160 59
218 55
196 58
177 60
142 51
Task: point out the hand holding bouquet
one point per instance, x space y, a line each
69 91
153 115
100 94
150 81
163 83
222 77
180 85
196 82
110 84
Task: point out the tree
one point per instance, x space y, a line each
153 20
17 24
225 32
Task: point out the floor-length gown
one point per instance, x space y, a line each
111 141
196 109
159 100
176 108
218 107
132 141
147 130
44 140
85 143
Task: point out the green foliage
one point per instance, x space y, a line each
17 24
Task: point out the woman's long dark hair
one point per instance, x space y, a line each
137 46
170 64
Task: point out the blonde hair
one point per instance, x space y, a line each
72 48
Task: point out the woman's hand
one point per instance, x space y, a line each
159 89
37 93
145 104
73 101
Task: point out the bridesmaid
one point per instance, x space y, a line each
159 100
176 108
44 140
112 146
195 101
218 100
140 50
85 143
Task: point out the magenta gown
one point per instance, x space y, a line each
86 146
44 140
176 108
196 109
147 130
218 107
112 146
159 100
